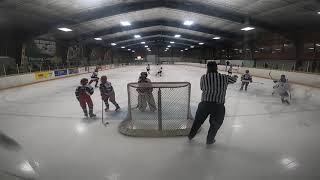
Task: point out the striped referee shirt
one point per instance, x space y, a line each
214 87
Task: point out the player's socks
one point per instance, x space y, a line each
91 113
85 112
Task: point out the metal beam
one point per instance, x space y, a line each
160 22
123 8
153 42
206 40
158 39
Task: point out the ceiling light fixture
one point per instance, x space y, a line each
113 44
217 38
177 36
125 23
129 49
201 43
168 46
191 46
146 46
65 29
143 42
181 50
137 36
188 23
247 28
98 39
123 47
171 42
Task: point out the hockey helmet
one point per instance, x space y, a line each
84 81
104 79
247 71
283 78
143 74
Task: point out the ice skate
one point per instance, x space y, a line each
209 141
190 137
286 101
117 108
107 108
85 112
92 115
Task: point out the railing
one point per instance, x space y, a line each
9 70
281 65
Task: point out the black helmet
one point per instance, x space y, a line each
84 81
144 74
247 71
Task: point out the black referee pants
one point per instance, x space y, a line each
216 112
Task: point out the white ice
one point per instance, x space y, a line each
261 138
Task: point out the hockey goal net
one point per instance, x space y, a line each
158 109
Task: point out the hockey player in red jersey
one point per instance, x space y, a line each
94 77
83 93
107 93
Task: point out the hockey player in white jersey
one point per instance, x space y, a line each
94 77
108 94
282 88
145 96
245 79
159 72
148 68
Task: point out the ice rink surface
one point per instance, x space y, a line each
261 138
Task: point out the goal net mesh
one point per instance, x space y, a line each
158 109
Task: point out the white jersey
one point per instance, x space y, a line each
94 76
283 89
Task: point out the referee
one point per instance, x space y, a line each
214 86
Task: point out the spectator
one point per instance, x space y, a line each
266 65
313 66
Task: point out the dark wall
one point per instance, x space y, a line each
296 46
12 48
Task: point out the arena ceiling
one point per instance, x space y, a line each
157 20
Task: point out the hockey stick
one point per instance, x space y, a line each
104 123
258 82
270 75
